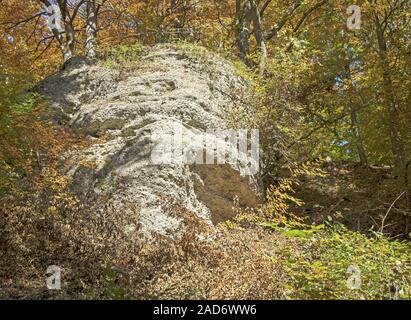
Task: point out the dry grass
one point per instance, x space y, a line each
104 257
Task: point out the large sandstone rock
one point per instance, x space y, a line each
133 113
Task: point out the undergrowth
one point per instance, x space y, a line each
104 254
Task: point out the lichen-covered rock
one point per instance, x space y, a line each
133 111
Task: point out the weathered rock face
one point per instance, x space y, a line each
133 113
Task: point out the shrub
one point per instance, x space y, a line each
321 266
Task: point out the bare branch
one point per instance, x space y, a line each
291 10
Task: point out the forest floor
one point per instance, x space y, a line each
363 198
248 257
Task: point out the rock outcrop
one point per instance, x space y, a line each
135 113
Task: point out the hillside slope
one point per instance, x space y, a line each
84 214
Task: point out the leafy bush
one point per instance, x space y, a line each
328 261
320 267
19 124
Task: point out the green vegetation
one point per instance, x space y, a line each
18 113
318 265
122 54
333 109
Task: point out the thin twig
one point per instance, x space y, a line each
388 211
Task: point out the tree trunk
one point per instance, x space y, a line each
69 43
173 5
259 35
408 188
397 144
355 128
91 29
243 15
389 97
359 142
65 47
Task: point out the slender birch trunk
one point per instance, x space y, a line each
91 29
